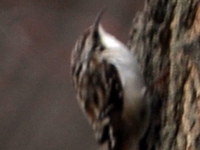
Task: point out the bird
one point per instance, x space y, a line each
110 88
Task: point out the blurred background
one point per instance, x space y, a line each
38 109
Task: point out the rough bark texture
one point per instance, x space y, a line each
167 33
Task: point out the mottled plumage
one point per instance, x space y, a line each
110 89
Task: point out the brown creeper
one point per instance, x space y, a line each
110 89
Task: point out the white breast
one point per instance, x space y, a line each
118 54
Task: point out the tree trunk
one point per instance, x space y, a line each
166 37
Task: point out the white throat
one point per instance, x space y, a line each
110 41
118 54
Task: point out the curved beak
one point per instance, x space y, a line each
98 18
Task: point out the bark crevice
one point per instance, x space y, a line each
167 33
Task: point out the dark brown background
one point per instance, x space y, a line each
38 109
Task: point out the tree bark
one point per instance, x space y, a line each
166 37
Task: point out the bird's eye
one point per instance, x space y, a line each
96 35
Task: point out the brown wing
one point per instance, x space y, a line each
100 94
